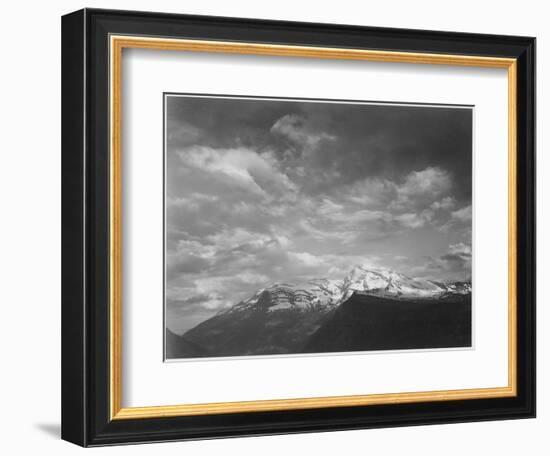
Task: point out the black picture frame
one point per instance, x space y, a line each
86 417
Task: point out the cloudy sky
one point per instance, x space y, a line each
259 191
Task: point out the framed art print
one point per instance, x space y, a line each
288 227
276 227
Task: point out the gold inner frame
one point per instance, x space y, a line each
117 44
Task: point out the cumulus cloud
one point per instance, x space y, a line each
431 181
460 221
455 264
411 220
446 203
371 192
294 128
256 172
463 215
461 249
184 134
421 187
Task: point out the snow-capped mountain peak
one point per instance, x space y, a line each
314 294
326 294
387 282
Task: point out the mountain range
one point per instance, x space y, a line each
370 309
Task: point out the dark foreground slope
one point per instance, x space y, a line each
366 322
248 330
179 347
255 332
362 323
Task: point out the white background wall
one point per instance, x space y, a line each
30 226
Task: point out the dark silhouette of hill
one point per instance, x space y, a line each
180 347
256 330
366 322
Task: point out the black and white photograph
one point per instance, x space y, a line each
297 226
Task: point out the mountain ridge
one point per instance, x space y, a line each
361 279
292 318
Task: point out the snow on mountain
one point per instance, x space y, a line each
459 287
315 294
386 282
326 294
